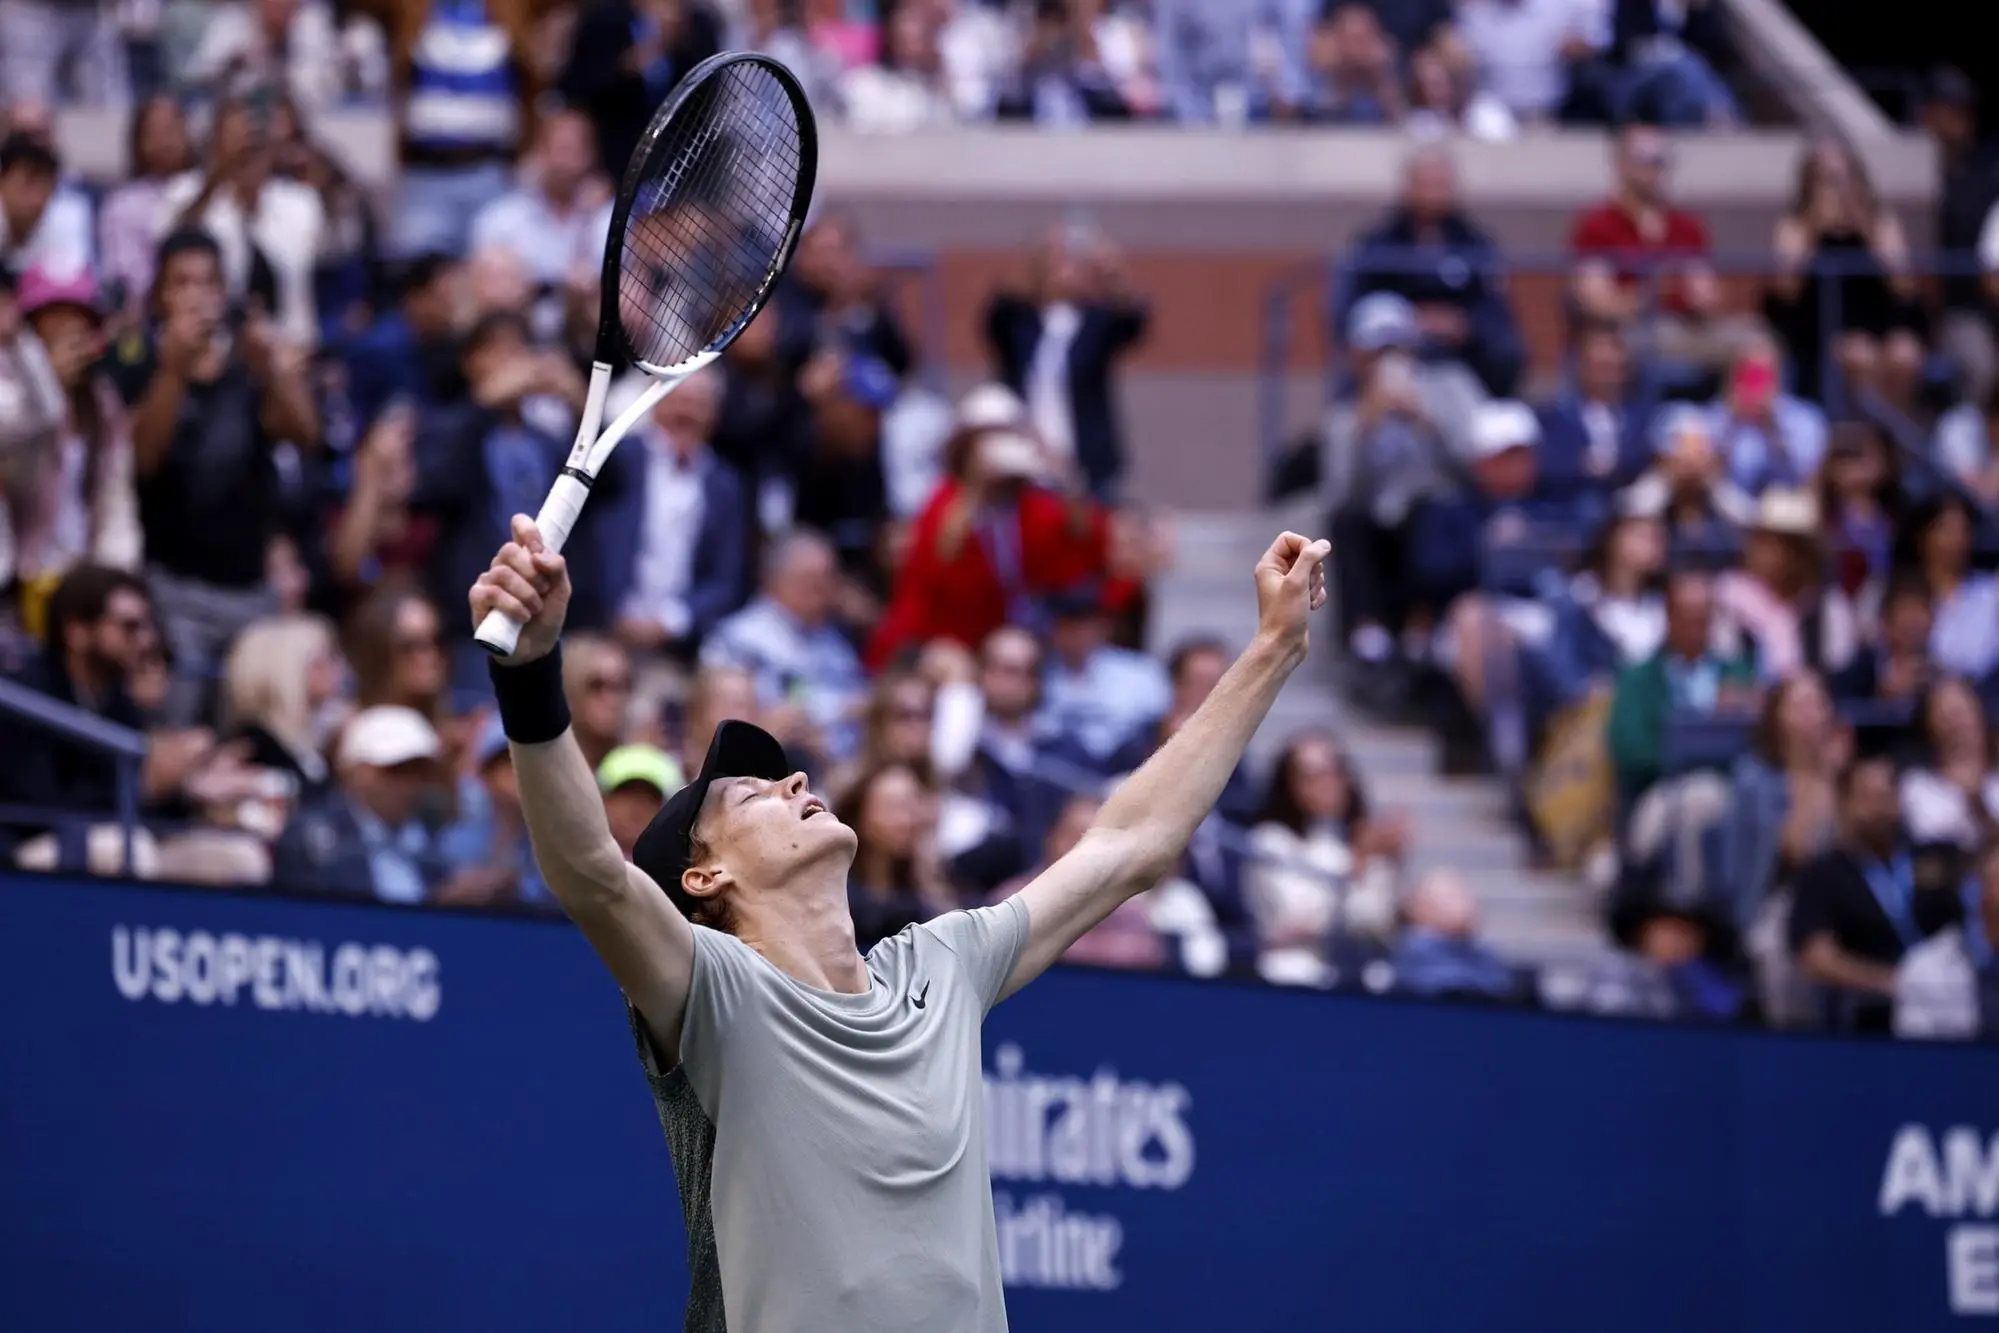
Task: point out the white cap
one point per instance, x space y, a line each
989 406
387 735
1504 423
1008 453
1787 512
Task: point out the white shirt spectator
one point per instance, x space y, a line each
288 226
1936 990
549 240
1935 809
665 562
235 45
976 47
1116 692
61 240
1047 385
1294 890
1519 46
887 101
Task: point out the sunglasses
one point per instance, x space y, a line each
131 624
608 685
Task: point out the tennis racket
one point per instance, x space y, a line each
705 221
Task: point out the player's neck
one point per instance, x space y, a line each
807 933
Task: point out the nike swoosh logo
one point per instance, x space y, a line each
922 998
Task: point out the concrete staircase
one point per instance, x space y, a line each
1529 915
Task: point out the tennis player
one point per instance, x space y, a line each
824 1107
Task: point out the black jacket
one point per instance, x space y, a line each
618 102
1013 330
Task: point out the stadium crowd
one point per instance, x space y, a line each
258 435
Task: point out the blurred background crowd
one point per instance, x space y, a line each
1714 600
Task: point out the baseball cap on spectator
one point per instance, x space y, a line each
645 764
386 736
1382 320
40 289
990 406
1502 424
1011 454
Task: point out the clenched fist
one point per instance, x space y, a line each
529 583
1290 585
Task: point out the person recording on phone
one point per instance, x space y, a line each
212 396
1766 437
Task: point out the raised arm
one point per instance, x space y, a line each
628 920
1139 835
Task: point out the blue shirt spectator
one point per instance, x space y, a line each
410 351
368 838
1428 251
1766 437
1593 436
1440 954
488 847
789 641
1097 694
1205 56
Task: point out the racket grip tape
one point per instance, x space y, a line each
499 633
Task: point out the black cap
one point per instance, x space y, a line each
19 149
739 750
1950 86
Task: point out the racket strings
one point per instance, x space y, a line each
710 216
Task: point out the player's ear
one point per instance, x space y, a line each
704 881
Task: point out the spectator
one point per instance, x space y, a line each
375 535
990 544
1947 987
1783 810
1210 64
1964 637
763 427
132 217
896 878
636 780
1967 446
1687 675
830 300
73 499
550 221
1325 866
398 652
627 55
598 681
1431 253
989 741
1194 667
1354 80
1439 954
1860 500
40 225
40 40
1779 599
1594 433
1863 905
492 862
269 231
281 695
1949 113
716 695
907 88
671 537
1057 345
368 837
1837 234
1445 100
1953 795
1125 45
1665 55
1637 238
1895 667
773 28
463 75
1124 939
1388 449
209 410
789 639
1093 693
1613 615
411 351
1528 49
1060 79
256 47
1688 483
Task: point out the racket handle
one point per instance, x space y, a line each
499 633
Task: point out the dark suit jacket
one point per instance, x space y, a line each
37 768
1458 266
719 582
321 851
1013 330
1565 447
1634 21
596 82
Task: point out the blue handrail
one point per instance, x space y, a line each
125 746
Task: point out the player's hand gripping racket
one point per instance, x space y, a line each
704 224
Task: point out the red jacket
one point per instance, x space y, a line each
961 597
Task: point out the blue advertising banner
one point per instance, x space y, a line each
225 1113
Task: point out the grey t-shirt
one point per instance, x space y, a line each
831 1149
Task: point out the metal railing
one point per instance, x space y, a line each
125 747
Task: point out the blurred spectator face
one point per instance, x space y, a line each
36 120
1065 266
1010 673
1078 812
1443 903
1636 551
756 345
1644 164
1689 614
912 41
1430 189
25 191
568 153
1075 636
1779 561
418 671
805 579
904 721
1950 112
499 280
1671 940
1431 85
629 809
828 257
1356 41
285 573
191 281
719 694
1603 366
1856 463
495 350
604 694
392 795
1200 670
1508 474
1318 780
1906 620
1803 715
687 415
890 812
239 130
115 644
1945 542
160 143
1688 458
434 307
70 334
1872 810
1953 719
